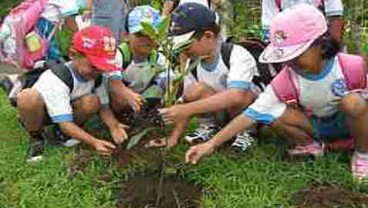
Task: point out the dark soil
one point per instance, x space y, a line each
327 196
146 192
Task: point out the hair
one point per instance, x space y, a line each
329 46
215 28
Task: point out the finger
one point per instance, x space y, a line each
124 126
109 145
163 111
188 155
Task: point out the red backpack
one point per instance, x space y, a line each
21 45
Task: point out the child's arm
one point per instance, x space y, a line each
121 91
217 102
240 123
74 131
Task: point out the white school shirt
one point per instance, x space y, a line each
318 94
243 68
55 93
270 9
135 85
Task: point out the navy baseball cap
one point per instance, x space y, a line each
188 18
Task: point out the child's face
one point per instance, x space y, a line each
203 46
306 63
141 44
84 67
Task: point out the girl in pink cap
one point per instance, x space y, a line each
319 95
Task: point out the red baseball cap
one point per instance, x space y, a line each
99 46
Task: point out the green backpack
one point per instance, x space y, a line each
127 55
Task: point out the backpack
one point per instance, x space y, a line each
127 55
20 44
59 69
352 67
255 46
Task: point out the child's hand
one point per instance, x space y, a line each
118 133
103 147
134 100
195 153
175 114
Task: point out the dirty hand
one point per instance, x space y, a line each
118 133
196 152
103 147
175 114
134 100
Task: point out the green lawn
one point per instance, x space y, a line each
256 179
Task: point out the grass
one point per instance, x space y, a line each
257 179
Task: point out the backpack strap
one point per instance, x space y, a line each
278 4
352 67
64 74
153 56
125 52
284 87
226 49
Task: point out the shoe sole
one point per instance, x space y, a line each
35 159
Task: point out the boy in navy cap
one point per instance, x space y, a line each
218 88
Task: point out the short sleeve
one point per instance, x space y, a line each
266 108
243 68
56 96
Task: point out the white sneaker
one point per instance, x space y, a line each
243 141
203 133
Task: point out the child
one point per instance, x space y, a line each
111 14
325 105
52 16
333 10
140 50
67 103
213 88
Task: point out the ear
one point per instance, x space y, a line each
72 53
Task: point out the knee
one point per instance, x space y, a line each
88 104
352 105
198 91
29 99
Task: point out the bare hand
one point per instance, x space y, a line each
195 153
103 147
175 114
134 100
118 133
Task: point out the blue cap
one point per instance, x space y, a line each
188 18
142 14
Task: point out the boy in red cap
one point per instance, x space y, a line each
66 95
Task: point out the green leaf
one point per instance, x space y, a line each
163 28
135 139
149 30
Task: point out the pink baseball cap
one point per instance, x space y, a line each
292 32
99 46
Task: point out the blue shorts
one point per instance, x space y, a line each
333 127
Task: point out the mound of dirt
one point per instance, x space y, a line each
146 191
327 196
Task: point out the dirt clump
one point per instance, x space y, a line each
328 195
146 192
